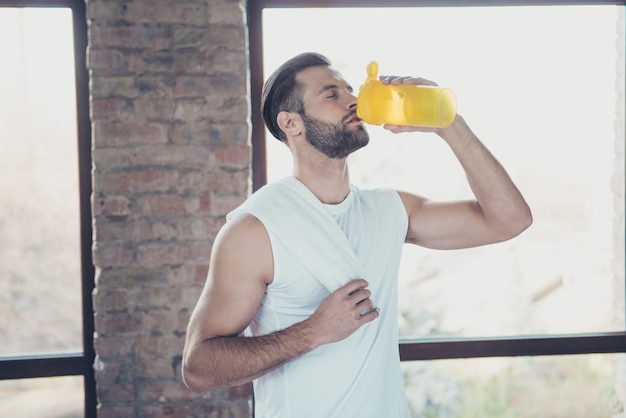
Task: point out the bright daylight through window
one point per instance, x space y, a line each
543 87
39 221
40 258
544 102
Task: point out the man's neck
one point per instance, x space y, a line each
327 178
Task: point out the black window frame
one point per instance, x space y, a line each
80 363
427 348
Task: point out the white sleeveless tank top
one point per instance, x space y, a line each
359 376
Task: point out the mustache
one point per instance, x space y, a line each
350 115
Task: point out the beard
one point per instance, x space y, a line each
334 140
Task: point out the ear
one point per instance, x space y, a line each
289 123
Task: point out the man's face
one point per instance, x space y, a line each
330 121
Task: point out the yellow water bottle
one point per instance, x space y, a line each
411 105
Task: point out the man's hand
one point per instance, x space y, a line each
415 81
343 312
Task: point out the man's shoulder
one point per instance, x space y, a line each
261 200
378 194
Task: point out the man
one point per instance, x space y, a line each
308 266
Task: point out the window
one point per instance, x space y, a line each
550 105
46 273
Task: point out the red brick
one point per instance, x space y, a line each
229 181
240 392
116 393
160 12
115 411
186 276
227 37
164 391
167 156
162 204
240 409
154 254
227 62
201 274
111 158
183 318
110 301
102 10
114 206
227 108
107 371
168 88
233 156
117 134
134 181
106 59
164 230
204 132
222 204
154 108
190 109
111 109
193 181
189 37
109 324
133 36
114 345
112 254
123 230
160 345
193 61
158 298
224 12
154 368
187 409
113 86
131 278
205 204
192 86
151 61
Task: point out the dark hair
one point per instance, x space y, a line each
282 92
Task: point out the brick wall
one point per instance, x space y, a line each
171 156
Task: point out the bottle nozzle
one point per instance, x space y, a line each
372 71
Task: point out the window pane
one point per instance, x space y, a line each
544 102
40 280
54 397
521 387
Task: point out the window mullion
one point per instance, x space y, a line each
435 349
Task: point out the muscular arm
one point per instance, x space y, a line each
215 353
498 213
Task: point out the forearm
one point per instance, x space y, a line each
500 200
230 361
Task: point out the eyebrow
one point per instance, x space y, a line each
333 86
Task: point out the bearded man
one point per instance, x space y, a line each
301 294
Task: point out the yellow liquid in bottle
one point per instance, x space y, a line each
404 104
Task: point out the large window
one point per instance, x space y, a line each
46 273
543 87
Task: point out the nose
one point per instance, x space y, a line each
351 101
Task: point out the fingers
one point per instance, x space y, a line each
397 80
355 284
367 307
397 129
359 297
344 311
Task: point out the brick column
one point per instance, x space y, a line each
171 156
